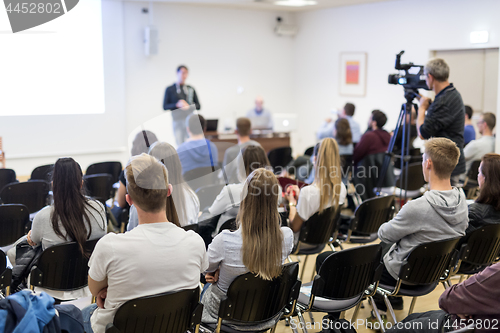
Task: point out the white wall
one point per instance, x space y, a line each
223 49
381 31
30 141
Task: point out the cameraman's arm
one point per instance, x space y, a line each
437 118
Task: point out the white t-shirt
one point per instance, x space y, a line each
309 200
151 259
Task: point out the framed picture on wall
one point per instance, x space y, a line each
353 74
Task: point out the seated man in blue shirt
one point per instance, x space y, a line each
197 152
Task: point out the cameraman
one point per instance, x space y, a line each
446 115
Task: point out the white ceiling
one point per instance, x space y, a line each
267 4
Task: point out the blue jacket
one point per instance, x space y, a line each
26 312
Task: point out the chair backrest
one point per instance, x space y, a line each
62 267
5 273
229 225
372 213
199 177
99 186
195 227
368 172
14 219
113 168
428 262
482 246
473 172
319 228
251 299
171 312
280 157
43 172
7 176
32 194
415 177
348 273
207 194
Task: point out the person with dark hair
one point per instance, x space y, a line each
243 131
476 149
445 117
469 131
347 112
197 152
486 209
155 257
182 100
374 141
72 217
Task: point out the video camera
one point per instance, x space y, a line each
413 77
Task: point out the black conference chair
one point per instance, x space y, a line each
62 267
279 158
43 172
368 218
471 185
200 177
5 276
14 221
99 186
32 194
207 195
481 249
253 301
112 168
7 176
171 312
316 233
194 227
309 151
342 282
423 269
228 225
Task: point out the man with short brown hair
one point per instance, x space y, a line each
476 149
243 131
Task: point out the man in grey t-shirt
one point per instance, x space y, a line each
230 163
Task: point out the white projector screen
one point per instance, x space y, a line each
55 68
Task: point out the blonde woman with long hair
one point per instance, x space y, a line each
260 245
326 191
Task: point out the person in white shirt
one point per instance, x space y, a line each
261 118
155 257
183 205
326 191
476 149
260 245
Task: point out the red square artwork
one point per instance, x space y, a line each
352 72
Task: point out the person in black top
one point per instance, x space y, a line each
446 115
182 100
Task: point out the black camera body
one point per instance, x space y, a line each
410 82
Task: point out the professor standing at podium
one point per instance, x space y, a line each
182 100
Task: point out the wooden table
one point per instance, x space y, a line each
268 140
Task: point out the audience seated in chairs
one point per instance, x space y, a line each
326 129
326 191
197 152
72 217
474 301
155 257
486 209
227 203
259 245
230 163
484 145
441 213
183 205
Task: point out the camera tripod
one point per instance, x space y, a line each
410 95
